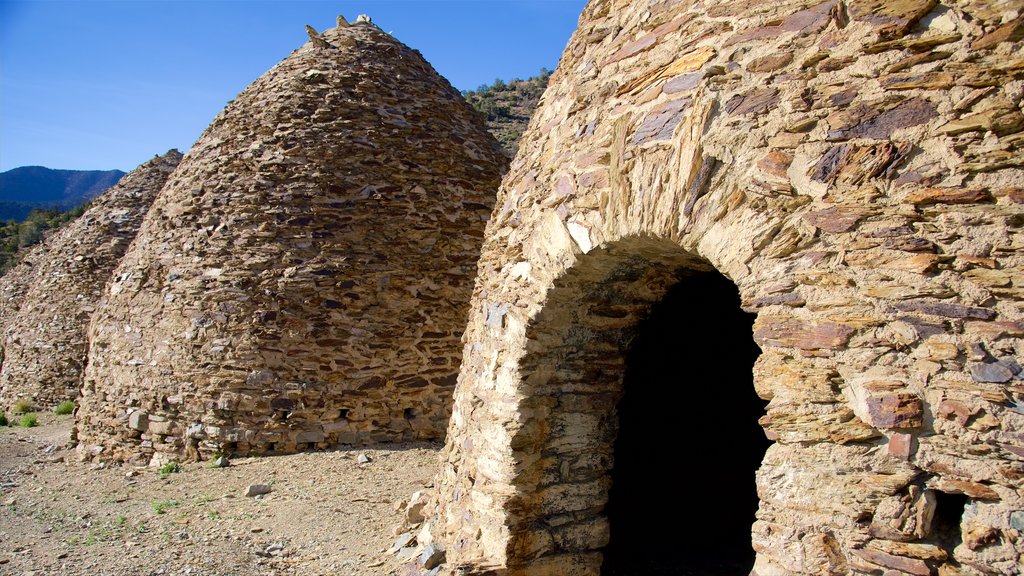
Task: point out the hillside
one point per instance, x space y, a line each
15 236
508 106
35 187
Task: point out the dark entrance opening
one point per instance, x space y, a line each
949 514
683 496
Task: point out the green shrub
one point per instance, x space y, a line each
3 420
171 467
29 421
65 407
23 406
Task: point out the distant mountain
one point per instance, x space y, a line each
508 106
29 187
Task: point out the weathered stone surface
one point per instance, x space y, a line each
850 164
946 309
927 196
866 121
257 490
753 102
990 372
801 335
1012 31
302 279
896 16
792 179
43 339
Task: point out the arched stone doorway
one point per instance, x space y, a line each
592 360
683 496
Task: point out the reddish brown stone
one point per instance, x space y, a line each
972 489
633 48
901 445
594 179
791 299
661 121
895 16
647 41
913 44
913 244
913 81
926 196
770 63
835 219
753 102
946 309
868 122
914 566
959 411
776 163
808 21
851 164
803 335
1012 31
902 410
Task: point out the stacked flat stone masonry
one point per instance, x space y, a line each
856 168
303 279
60 283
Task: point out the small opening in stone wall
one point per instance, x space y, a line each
229 448
949 512
409 413
271 446
343 414
683 495
310 445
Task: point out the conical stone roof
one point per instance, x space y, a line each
53 292
302 280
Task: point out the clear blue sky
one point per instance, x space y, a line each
88 84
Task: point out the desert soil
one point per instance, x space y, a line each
326 514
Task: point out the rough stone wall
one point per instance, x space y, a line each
61 283
302 280
855 167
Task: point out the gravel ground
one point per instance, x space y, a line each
326 514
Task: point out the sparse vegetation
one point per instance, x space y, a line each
162 506
22 406
508 106
29 420
171 467
17 236
65 407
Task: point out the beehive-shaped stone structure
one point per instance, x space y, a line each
854 169
303 279
60 284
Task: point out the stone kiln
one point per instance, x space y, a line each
855 169
50 295
302 280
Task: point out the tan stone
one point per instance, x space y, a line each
863 206
302 279
53 293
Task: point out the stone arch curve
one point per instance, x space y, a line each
577 366
847 184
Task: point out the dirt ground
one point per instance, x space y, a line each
327 513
